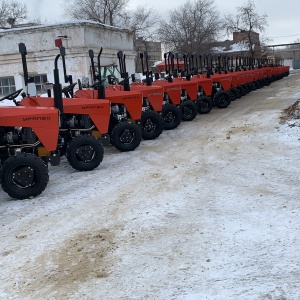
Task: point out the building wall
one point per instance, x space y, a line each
77 37
288 62
243 36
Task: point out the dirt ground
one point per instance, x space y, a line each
209 210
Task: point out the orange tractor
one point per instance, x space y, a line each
40 130
28 139
152 110
126 109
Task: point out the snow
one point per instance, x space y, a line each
236 47
209 210
57 24
6 102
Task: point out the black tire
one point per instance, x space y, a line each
267 81
233 94
261 82
255 85
250 87
241 89
126 136
246 88
204 105
151 125
85 153
188 110
24 176
171 116
239 92
222 99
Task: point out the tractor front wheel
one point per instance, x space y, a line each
24 175
241 91
85 153
233 93
188 110
171 116
204 105
126 136
151 125
222 99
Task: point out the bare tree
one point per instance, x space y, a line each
248 22
139 22
110 12
191 27
142 22
11 13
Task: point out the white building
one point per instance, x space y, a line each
77 37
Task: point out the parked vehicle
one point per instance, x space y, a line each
125 107
28 141
81 122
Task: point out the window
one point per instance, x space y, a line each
7 85
39 81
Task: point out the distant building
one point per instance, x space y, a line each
239 45
77 37
243 36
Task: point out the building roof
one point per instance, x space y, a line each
67 23
241 46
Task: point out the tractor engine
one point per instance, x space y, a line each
166 99
16 139
119 112
9 135
216 87
184 95
146 104
74 122
200 92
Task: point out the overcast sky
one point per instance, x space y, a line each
283 15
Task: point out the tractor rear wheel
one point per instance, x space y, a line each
24 175
126 136
151 125
85 153
204 105
188 110
171 116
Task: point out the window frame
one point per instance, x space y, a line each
9 87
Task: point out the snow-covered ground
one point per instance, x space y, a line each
209 210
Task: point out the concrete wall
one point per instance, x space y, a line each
77 37
288 62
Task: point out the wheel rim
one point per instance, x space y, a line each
203 105
85 153
22 177
222 99
149 125
126 136
169 117
187 111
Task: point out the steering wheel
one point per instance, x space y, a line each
12 96
69 88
